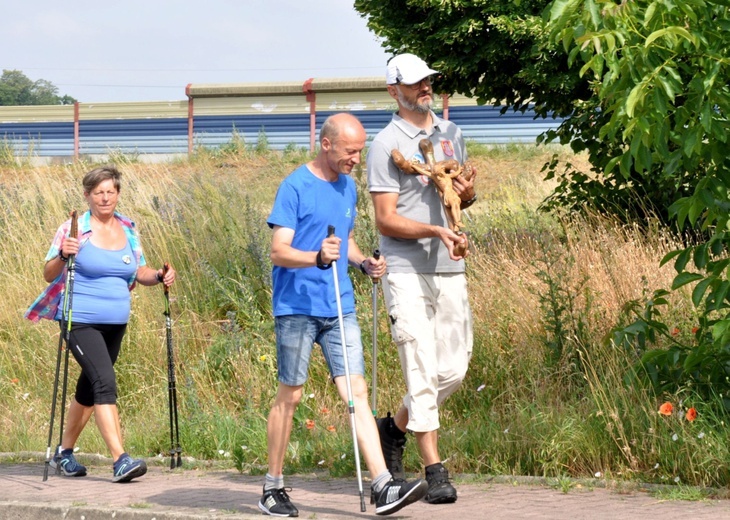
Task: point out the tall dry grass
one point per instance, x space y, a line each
545 394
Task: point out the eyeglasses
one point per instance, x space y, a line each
417 86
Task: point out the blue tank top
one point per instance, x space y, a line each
101 292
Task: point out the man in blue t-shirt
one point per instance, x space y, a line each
315 196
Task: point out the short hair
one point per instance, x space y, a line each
101 174
330 129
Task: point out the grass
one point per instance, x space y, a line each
545 395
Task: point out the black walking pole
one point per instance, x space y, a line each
65 332
171 384
374 393
350 402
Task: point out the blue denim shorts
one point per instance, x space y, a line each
296 335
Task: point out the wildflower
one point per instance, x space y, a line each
320 462
331 428
309 424
656 466
701 435
675 331
221 452
691 415
481 387
324 410
343 455
695 329
15 380
311 396
666 409
598 474
244 447
675 437
262 358
506 431
677 479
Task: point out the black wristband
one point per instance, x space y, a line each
64 259
320 265
362 267
466 203
159 277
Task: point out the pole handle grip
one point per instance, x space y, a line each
330 230
165 269
376 255
74 224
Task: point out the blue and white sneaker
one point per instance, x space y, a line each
70 467
126 468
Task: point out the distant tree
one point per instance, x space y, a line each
17 89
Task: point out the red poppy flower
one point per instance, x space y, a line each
324 410
695 329
666 409
675 331
309 424
691 415
331 428
15 380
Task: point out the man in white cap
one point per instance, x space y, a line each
425 286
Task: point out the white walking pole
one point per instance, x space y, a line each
350 402
374 393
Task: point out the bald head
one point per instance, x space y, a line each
337 125
342 139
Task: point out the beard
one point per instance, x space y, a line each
421 108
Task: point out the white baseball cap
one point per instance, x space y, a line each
407 69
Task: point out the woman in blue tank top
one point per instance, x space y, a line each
109 263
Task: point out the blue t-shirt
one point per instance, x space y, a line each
100 290
308 205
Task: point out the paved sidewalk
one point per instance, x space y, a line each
186 494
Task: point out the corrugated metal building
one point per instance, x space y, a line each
287 113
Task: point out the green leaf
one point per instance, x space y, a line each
674 30
699 291
685 278
700 256
669 256
681 262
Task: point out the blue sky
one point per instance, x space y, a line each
149 50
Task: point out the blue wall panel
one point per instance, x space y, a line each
281 130
169 135
45 139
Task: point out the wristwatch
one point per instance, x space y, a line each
466 203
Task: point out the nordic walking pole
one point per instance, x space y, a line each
65 331
374 393
350 402
171 383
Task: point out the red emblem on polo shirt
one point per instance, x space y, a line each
448 148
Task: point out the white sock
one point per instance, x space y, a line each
273 482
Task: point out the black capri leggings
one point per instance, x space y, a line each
96 348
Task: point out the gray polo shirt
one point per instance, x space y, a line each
417 197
